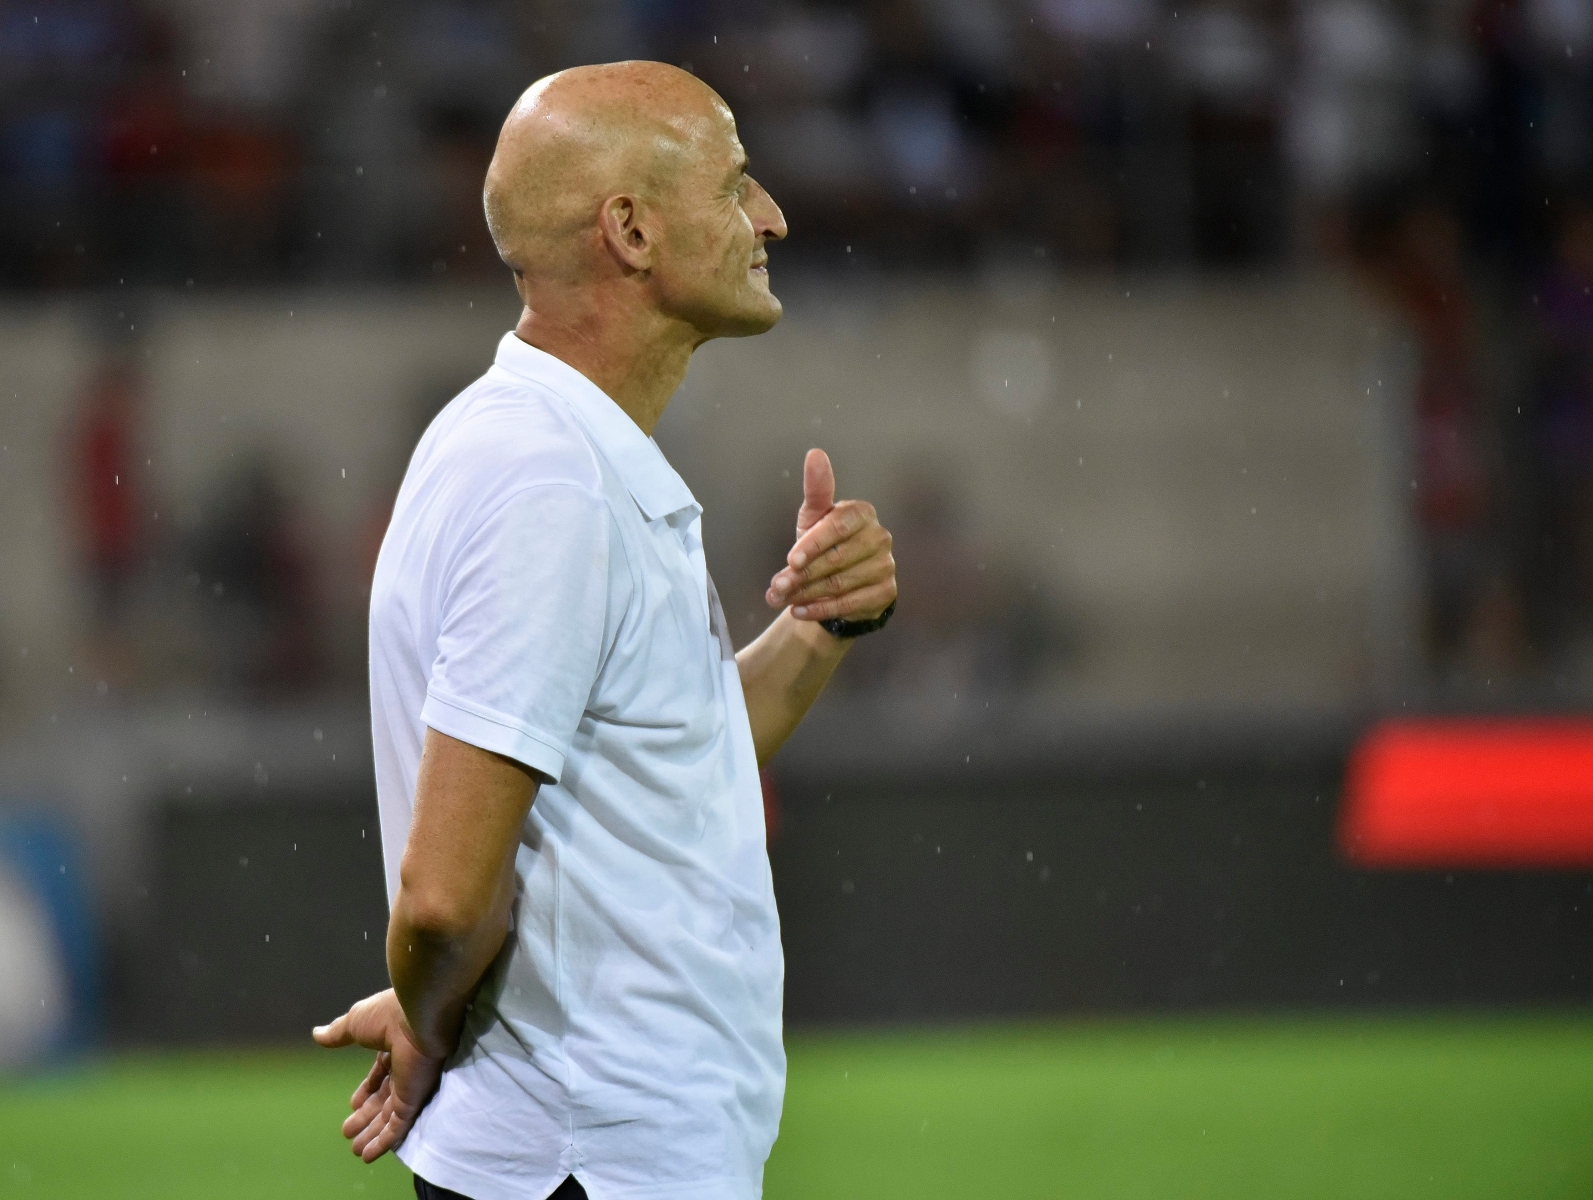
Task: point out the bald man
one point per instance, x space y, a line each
583 946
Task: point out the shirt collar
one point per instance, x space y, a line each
635 457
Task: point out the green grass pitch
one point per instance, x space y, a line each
1406 1107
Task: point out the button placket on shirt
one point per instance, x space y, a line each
682 525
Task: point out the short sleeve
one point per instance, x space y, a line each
521 630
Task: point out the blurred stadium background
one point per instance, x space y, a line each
1216 818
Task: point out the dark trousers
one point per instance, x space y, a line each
568 1190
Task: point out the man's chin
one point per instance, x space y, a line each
759 316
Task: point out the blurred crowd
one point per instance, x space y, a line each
194 140
1441 148
226 596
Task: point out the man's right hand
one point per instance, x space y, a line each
400 1081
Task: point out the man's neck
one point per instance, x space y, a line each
637 363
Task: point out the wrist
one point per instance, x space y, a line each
435 1039
815 637
430 1025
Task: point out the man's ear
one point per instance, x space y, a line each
625 233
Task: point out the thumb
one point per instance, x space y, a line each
818 489
334 1035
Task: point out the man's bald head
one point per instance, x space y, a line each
619 195
578 136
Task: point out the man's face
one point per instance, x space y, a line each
712 266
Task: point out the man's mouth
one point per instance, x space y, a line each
761 266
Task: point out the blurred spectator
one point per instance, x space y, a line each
254 567
1072 132
146 227
1230 62
1473 612
1561 33
239 173
1564 311
51 73
931 166
1351 117
108 478
1508 135
247 57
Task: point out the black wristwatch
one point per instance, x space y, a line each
842 628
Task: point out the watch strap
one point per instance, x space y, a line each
842 628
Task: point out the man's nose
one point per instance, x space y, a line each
767 219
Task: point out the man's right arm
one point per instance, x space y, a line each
456 883
451 914
529 585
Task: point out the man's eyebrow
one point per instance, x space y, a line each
740 167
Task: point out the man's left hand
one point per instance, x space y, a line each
401 1080
841 564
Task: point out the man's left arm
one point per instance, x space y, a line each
840 566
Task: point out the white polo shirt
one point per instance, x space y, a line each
542 593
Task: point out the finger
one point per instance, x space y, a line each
380 1107
391 1135
874 569
372 1081
871 600
360 1120
394 1131
359 1129
842 521
868 543
334 1035
382 1141
818 489
369 1107
364 1145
